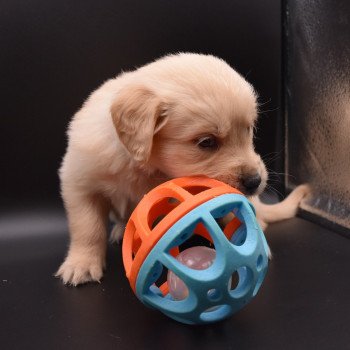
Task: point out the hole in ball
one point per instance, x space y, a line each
259 262
234 280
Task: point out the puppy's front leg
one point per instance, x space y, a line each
87 216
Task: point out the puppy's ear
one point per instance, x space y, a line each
138 114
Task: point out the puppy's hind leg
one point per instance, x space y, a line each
119 216
268 214
117 232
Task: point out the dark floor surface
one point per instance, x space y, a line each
304 302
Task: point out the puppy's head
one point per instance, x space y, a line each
190 115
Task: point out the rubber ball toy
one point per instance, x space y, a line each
193 250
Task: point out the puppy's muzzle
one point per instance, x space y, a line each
250 183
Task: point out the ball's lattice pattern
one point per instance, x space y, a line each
221 215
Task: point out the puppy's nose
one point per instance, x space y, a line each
251 183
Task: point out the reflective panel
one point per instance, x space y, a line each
317 92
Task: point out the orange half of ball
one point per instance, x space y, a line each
160 209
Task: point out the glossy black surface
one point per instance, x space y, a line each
303 302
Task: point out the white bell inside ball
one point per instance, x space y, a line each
197 258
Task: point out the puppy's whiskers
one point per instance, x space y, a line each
269 110
270 157
278 175
274 190
264 103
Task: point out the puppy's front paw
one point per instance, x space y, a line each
80 268
297 196
269 253
300 193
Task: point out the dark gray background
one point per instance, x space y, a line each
54 53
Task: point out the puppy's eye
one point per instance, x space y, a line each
208 143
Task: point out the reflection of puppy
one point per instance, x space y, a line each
185 114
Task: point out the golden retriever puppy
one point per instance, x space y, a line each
185 114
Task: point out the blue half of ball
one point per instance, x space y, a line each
210 296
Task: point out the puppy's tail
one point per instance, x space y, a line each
268 214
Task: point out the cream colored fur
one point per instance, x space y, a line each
142 128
